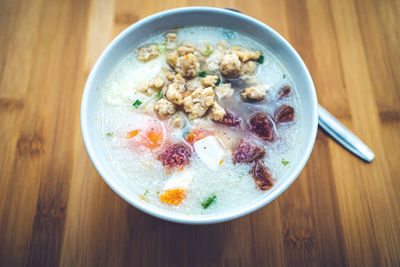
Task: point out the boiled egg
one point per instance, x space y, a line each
210 151
175 189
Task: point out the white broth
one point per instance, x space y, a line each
134 134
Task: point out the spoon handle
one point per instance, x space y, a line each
343 135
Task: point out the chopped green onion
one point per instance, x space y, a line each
209 201
109 134
159 95
207 52
161 48
145 193
285 162
284 76
202 74
137 103
261 60
218 82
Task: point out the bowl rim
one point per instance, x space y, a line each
177 217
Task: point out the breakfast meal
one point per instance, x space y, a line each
199 120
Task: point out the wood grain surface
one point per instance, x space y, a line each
55 210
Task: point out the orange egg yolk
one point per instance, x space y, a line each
173 196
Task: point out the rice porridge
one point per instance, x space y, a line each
199 120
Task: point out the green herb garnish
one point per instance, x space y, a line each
161 48
284 76
207 52
159 95
109 134
202 74
285 162
137 103
145 193
209 201
218 82
261 60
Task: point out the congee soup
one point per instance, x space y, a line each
199 120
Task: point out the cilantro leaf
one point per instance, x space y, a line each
284 162
202 74
159 95
109 134
209 201
137 103
161 48
207 52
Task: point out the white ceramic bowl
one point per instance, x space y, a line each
160 22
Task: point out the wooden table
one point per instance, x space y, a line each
56 210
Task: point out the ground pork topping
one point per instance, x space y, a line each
185 50
217 113
179 79
254 93
164 107
193 84
189 66
158 83
147 53
168 73
245 54
186 65
248 68
172 59
170 40
177 121
145 88
215 57
198 102
223 90
148 88
230 66
209 80
174 93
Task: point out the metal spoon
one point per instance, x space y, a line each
343 135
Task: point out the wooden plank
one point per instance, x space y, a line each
44 130
55 210
21 154
20 44
360 208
